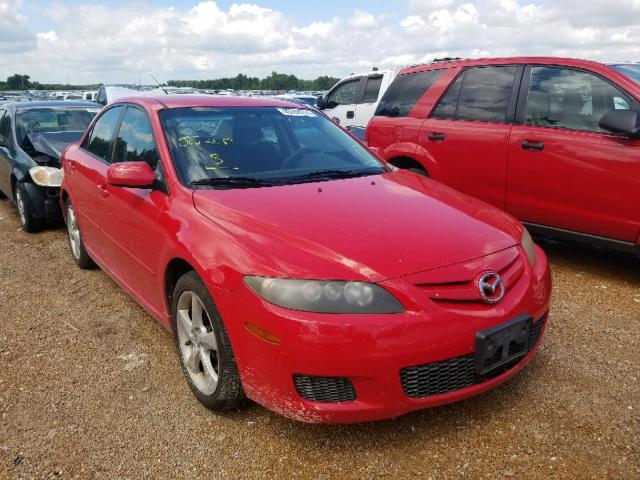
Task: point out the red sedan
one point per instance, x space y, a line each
294 267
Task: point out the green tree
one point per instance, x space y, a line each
18 82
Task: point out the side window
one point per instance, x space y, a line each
572 99
99 139
404 93
5 127
135 142
345 94
372 89
479 94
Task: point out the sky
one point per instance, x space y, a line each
113 41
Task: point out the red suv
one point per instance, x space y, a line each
555 142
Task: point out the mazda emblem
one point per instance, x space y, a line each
491 287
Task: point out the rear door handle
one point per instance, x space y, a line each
351 114
103 190
436 136
538 146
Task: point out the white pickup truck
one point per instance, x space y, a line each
353 100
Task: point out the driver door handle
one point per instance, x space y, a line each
436 136
528 145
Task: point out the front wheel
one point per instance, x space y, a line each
76 245
203 346
25 210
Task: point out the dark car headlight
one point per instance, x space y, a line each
325 296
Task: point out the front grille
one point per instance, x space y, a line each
325 389
462 291
453 374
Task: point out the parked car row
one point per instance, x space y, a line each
331 282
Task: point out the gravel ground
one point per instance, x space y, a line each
90 387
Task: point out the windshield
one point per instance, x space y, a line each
232 147
631 70
52 119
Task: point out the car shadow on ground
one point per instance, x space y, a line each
608 264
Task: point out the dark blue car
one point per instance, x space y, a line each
32 137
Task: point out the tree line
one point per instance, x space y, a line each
276 81
23 82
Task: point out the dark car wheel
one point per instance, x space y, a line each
76 245
25 210
203 346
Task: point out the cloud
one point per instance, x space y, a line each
15 34
104 43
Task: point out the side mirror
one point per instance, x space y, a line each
625 122
321 103
131 175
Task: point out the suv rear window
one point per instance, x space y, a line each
479 94
404 92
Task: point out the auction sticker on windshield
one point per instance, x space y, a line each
297 112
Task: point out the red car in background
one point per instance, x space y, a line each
555 142
294 267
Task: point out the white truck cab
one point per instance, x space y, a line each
353 100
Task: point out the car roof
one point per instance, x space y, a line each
466 62
182 101
51 103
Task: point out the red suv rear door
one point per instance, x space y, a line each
467 133
564 171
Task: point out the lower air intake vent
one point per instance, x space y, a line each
325 389
453 374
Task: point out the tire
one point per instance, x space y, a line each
25 210
76 244
203 347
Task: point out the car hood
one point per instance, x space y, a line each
373 227
52 144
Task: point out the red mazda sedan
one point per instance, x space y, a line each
296 268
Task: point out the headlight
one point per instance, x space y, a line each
325 296
46 176
528 245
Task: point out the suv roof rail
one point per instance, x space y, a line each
446 59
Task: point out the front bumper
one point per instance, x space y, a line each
45 203
370 351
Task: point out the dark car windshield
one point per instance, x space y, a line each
240 147
52 119
631 70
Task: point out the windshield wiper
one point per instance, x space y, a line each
233 182
331 175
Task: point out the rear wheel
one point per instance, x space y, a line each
76 245
25 210
203 346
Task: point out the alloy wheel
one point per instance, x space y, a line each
74 232
198 343
21 207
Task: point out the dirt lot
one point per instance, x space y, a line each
90 387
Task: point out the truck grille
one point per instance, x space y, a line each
324 389
453 374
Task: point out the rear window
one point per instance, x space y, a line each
372 89
404 93
52 119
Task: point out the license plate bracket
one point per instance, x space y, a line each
502 344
